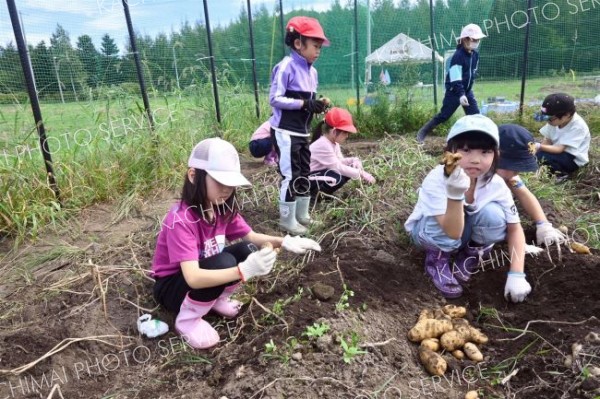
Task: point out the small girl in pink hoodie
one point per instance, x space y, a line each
329 169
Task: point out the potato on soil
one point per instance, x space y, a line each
425 314
452 340
433 362
458 354
428 328
475 335
472 352
472 395
454 311
432 344
580 248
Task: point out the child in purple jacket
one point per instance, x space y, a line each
293 101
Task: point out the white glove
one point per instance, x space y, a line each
533 250
355 163
546 234
464 101
299 245
366 176
257 264
517 288
457 183
537 146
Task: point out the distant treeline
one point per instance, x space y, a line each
562 32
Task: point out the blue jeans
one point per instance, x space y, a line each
488 226
563 163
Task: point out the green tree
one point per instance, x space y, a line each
88 56
41 60
66 63
109 66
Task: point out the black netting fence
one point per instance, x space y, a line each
87 56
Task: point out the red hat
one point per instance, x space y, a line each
308 27
340 119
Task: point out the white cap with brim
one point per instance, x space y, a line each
474 123
473 31
220 160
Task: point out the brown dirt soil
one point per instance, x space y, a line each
90 282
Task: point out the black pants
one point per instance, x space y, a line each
170 291
317 186
294 165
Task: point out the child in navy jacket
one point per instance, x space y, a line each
459 80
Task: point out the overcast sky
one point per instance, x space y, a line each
97 17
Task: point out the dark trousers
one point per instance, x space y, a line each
452 102
563 163
317 186
170 291
261 147
294 165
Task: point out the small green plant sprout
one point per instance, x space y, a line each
351 348
270 347
272 351
316 330
342 303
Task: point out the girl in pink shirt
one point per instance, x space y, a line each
195 271
329 169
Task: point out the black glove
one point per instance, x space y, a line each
314 106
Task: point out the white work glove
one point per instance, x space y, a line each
257 264
537 146
533 250
517 288
299 245
464 101
366 176
457 183
546 234
355 163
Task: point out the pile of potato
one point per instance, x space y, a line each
446 330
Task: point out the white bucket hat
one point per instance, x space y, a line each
474 123
220 160
473 31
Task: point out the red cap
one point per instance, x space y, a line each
340 119
308 27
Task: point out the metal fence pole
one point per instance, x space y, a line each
253 57
356 71
525 59
212 62
282 27
31 91
138 64
433 50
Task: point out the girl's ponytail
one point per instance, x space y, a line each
317 132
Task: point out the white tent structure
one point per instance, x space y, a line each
401 49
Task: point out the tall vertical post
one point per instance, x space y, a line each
433 50
175 65
253 57
212 62
35 104
525 59
356 71
368 78
281 22
138 64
